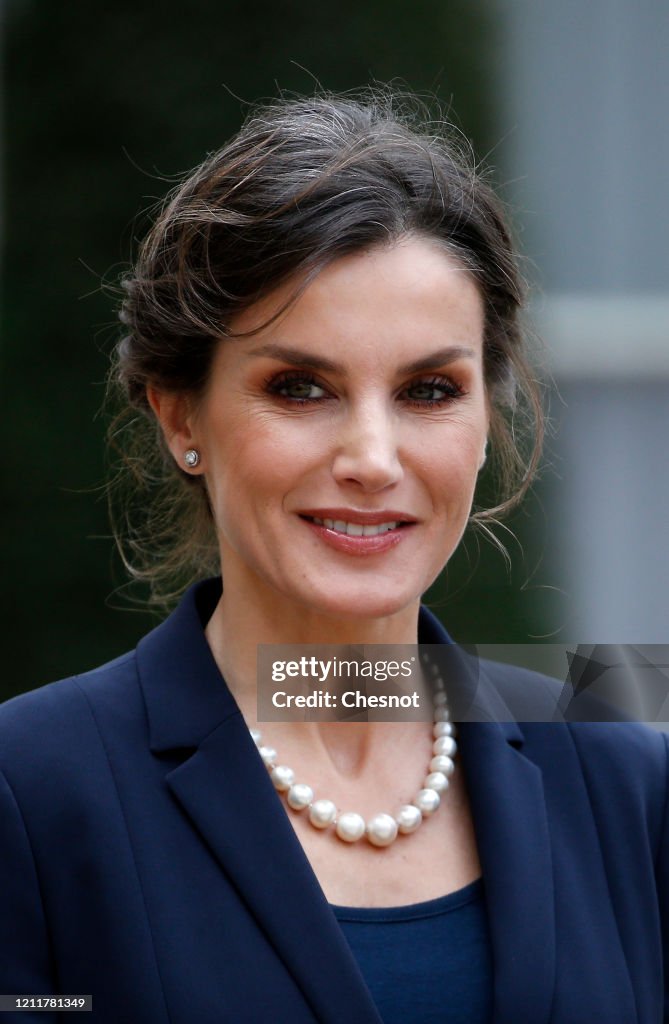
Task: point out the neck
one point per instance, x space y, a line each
240 623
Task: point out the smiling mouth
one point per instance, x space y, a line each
356 529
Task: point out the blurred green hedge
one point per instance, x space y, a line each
103 103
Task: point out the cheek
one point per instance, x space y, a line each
254 460
450 465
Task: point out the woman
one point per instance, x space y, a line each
322 338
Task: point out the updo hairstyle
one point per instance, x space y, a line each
304 182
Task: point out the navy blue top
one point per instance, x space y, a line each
425 962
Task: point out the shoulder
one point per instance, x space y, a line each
624 764
47 728
529 695
615 758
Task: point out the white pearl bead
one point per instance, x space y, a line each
427 801
443 729
408 818
444 745
282 776
381 830
436 781
322 813
299 796
444 764
350 827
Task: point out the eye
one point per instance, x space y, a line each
432 391
296 387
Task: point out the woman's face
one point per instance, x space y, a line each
341 444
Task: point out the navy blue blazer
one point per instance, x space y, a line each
134 868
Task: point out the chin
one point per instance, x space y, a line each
363 603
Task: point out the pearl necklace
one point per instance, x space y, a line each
382 829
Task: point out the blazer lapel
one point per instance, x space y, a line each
225 790
509 812
506 793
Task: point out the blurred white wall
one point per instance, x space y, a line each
583 102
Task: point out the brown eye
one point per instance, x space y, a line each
297 388
300 389
432 391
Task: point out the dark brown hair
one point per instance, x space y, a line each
305 181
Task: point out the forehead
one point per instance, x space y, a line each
409 295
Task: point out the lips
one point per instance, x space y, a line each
358 531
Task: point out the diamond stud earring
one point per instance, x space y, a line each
191 458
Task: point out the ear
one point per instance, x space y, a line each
175 414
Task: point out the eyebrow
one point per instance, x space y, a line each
297 357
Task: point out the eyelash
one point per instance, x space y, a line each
275 386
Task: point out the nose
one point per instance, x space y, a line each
367 451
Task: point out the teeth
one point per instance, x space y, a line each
355 529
